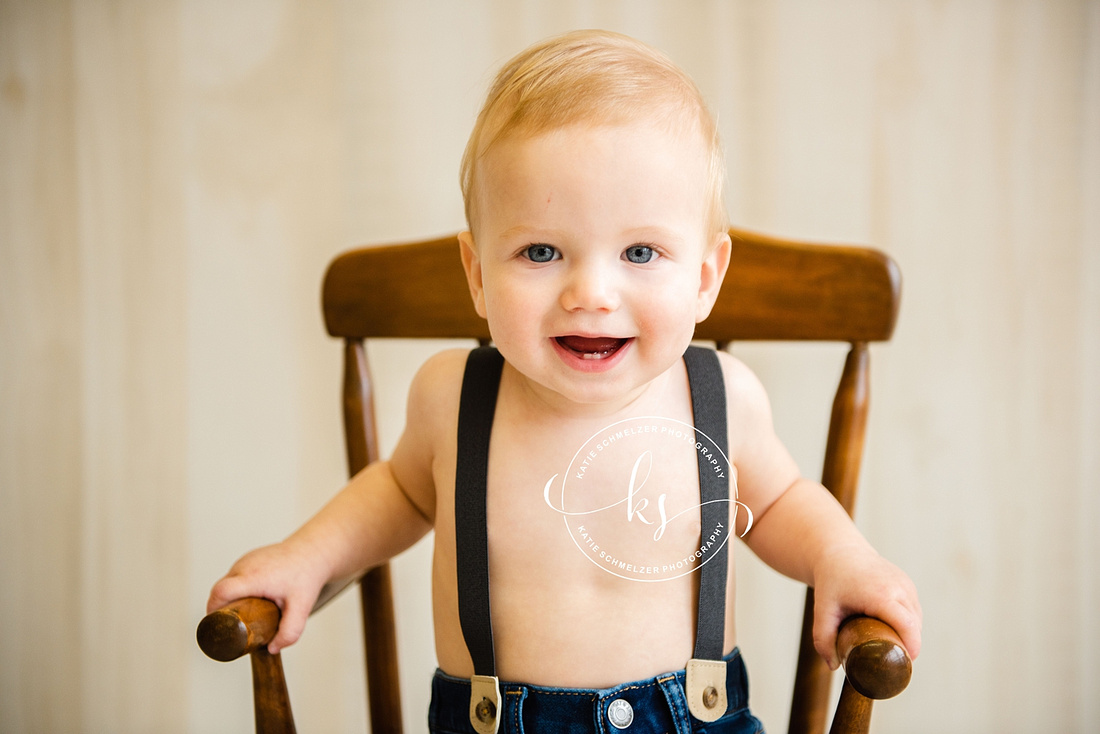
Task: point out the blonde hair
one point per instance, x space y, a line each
596 77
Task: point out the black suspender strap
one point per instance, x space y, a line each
475 422
708 405
477 405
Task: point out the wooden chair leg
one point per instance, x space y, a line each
380 638
270 696
244 628
812 681
853 712
876 667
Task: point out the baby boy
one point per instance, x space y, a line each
597 240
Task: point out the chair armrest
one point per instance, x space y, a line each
875 662
241 627
245 627
238 629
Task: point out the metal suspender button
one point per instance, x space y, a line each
486 711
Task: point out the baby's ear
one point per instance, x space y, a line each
472 264
715 263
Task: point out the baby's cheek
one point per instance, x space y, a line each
667 319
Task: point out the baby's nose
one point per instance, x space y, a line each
590 287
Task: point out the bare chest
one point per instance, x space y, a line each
622 501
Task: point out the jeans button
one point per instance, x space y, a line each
620 713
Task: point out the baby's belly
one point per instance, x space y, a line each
560 620
589 588
594 635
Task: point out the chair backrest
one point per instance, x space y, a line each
774 290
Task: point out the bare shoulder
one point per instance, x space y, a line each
764 467
434 392
745 393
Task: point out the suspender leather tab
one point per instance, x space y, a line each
485 704
705 686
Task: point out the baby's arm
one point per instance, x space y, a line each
368 522
383 510
801 531
805 534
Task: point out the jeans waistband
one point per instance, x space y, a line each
655 704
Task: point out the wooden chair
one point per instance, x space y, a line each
776 290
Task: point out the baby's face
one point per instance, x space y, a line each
591 259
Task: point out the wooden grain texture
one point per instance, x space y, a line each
876 667
42 531
412 290
244 627
847 428
853 713
380 641
875 661
784 290
238 628
272 700
360 434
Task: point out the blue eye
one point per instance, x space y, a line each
639 253
541 253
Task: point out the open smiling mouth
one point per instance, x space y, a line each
591 347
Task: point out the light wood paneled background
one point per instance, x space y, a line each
176 174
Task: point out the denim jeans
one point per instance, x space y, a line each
654 706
